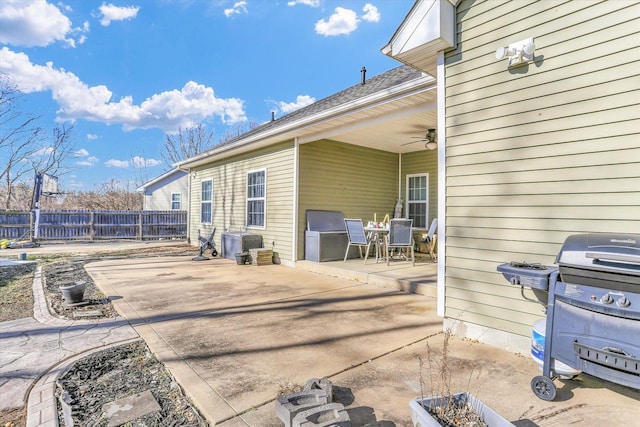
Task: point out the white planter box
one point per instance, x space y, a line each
422 418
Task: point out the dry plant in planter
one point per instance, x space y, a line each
443 408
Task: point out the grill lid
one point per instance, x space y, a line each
602 252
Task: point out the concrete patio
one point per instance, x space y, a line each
235 337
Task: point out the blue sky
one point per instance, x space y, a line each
125 74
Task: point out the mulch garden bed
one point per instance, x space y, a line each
95 303
108 375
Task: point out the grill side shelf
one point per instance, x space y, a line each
533 276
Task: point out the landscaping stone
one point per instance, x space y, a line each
331 414
289 405
129 408
320 384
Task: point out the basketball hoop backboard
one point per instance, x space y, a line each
50 185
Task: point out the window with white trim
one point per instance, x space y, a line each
176 201
418 199
206 201
256 198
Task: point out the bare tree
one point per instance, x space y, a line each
24 147
21 195
237 130
186 143
56 150
110 195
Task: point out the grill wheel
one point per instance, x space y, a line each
543 387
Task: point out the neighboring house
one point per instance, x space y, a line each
169 191
526 155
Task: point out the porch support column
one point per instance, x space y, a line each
296 177
442 188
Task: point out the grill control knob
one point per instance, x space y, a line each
623 302
606 299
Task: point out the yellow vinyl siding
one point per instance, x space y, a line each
354 180
229 196
538 152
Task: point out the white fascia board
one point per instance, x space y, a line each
429 27
158 179
296 128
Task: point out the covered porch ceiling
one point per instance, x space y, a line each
397 126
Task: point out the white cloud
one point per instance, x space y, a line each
116 13
92 136
140 162
136 162
238 8
89 161
371 13
312 3
45 151
84 158
301 101
34 23
167 110
113 163
81 33
343 21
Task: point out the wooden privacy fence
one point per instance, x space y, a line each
94 225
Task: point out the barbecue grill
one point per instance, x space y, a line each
593 308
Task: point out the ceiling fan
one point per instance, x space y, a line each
430 140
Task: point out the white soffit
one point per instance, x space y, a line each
382 120
427 29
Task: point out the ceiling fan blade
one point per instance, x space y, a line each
413 142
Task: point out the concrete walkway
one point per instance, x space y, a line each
236 336
35 351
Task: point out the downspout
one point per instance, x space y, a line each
400 182
296 175
189 206
442 188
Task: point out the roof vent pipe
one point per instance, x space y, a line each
273 115
363 71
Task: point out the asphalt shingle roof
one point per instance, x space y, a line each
386 80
